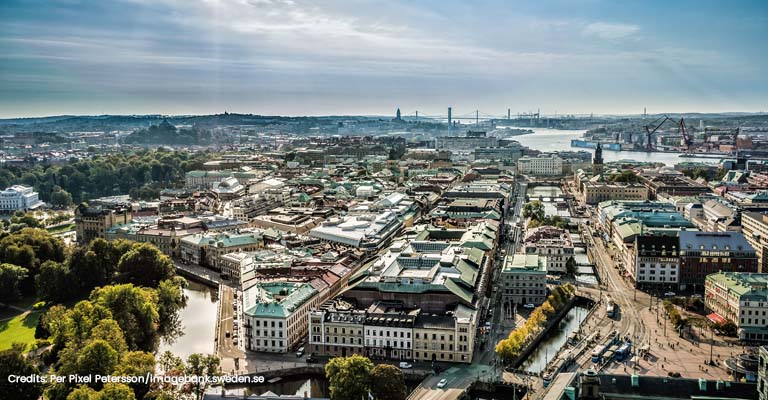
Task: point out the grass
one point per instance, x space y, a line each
61 228
20 328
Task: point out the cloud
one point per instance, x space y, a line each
609 31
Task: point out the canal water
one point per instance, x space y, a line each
560 140
547 195
198 322
548 348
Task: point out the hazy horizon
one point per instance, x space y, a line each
293 58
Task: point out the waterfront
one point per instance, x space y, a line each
560 140
548 348
198 322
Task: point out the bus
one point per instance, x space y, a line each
597 353
610 307
623 351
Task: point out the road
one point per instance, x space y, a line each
231 353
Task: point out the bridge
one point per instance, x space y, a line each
199 274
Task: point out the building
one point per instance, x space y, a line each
704 253
369 232
277 302
523 280
229 189
465 143
656 263
19 198
741 298
715 216
754 226
591 385
596 191
542 165
336 329
208 179
597 161
165 233
292 220
207 249
762 373
92 222
390 330
512 153
552 243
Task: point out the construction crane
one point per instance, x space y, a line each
681 128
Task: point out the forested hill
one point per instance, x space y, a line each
132 122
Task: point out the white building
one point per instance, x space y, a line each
19 197
540 166
366 231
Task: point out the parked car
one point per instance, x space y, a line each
442 383
696 296
670 294
228 333
529 305
300 352
405 365
311 359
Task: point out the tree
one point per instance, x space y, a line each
387 383
145 265
61 198
12 362
201 365
170 362
55 282
170 299
109 331
534 210
349 377
116 391
11 277
97 358
547 309
136 363
570 266
134 309
83 392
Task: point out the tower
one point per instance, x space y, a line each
597 162
397 117
450 123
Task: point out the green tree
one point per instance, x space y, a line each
116 391
387 383
12 362
134 309
170 362
83 392
201 365
349 377
97 358
570 266
534 210
55 282
109 331
145 265
61 198
136 363
170 299
11 277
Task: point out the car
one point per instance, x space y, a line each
228 333
529 305
442 383
696 296
234 341
670 294
405 365
300 352
310 359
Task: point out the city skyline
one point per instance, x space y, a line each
290 58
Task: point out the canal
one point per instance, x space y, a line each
198 322
548 348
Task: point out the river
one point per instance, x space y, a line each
198 320
560 140
548 348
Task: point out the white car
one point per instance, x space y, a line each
529 305
405 365
670 294
442 383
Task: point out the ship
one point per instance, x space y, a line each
591 145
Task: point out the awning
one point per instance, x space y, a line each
716 318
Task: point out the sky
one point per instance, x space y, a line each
360 57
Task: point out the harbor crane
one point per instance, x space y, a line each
681 128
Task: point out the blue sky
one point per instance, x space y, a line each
296 57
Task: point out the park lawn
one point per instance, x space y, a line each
20 328
61 228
